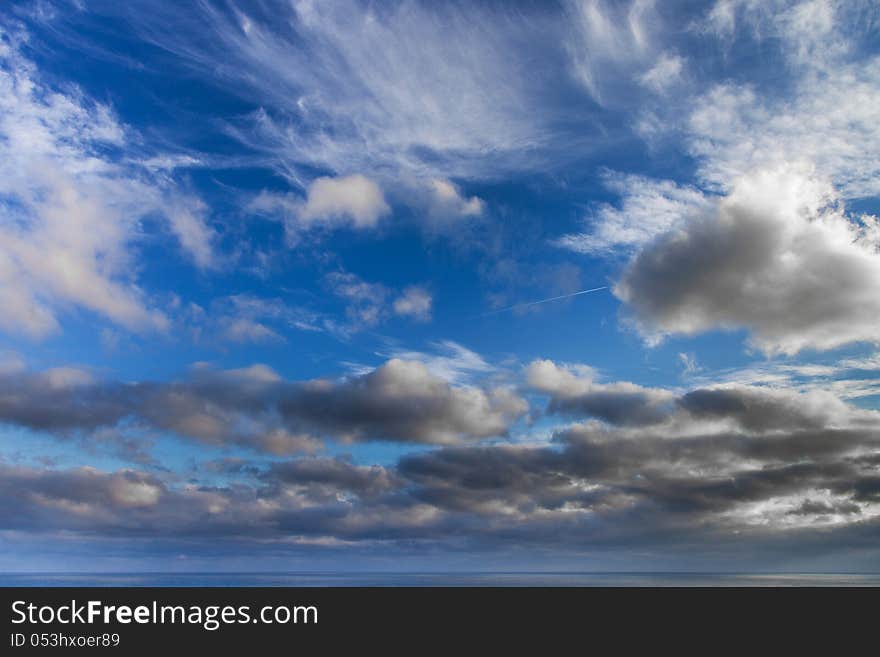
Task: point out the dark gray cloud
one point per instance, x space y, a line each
762 410
59 400
573 392
616 407
253 407
403 401
775 257
577 394
710 467
725 467
334 474
819 508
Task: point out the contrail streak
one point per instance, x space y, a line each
535 303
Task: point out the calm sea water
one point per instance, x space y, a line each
439 579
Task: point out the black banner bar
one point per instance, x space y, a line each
271 620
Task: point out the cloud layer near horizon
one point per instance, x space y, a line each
709 465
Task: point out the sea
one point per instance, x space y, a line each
441 579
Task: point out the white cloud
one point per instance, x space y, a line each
847 378
648 208
366 302
70 210
615 46
664 74
447 201
778 256
354 199
817 102
574 391
187 220
810 32
831 121
830 116
689 363
449 360
424 89
571 381
170 162
568 379
415 302
248 330
244 318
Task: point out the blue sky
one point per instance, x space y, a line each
268 273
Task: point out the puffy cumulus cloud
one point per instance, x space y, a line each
121 503
354 201
68 403
226 408
758 459
256 409
80 490
353 198
57 400
777 256
448 360
733 467
70 206
414 302
335 477
403 401
446 201
359 203
311 502
760 410
573 393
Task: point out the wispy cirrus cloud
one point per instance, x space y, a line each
448 360
71 204
648 208
368 303
616 46
414 302
427 90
